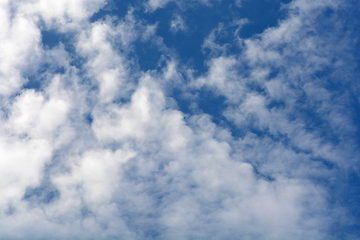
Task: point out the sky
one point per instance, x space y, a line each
180 119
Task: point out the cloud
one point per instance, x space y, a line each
101 149
178 24
153 5
296 57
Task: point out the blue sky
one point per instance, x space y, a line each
179 119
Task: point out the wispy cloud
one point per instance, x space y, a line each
178 24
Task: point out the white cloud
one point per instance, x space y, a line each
178 24
61 14
127 163
152 5
34 116
222 30
296 55
19 44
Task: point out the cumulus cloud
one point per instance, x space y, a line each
101 149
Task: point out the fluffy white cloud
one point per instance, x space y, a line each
101 149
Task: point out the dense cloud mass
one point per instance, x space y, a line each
109 130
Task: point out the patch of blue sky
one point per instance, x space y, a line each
46 193
344 190
52 38
36 80
200 21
